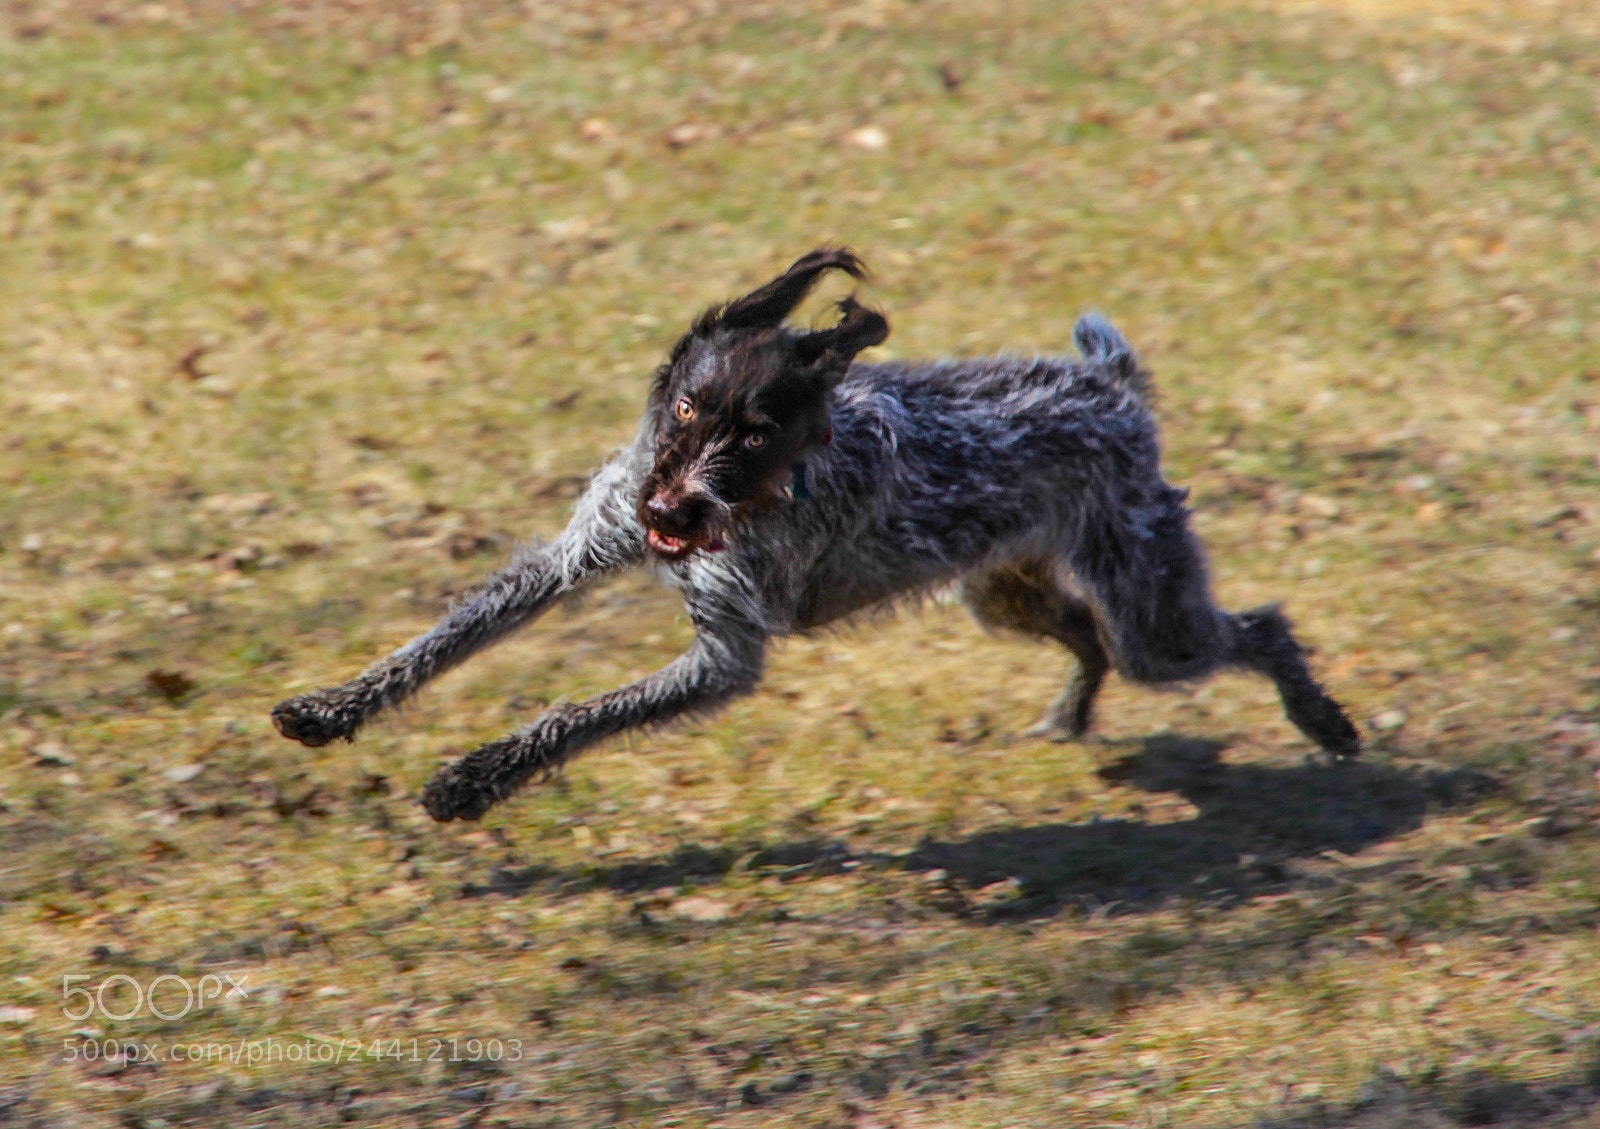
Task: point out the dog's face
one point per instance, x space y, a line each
742 399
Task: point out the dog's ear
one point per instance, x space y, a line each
766 307
858 327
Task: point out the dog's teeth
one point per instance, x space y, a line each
665 544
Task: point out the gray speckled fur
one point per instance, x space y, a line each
1035 483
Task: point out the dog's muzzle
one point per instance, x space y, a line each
676 525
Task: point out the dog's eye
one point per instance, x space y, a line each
755 440
684 410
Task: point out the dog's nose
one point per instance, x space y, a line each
674 513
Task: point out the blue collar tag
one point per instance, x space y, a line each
799 491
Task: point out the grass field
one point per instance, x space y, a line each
313 309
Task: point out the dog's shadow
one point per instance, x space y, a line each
1253 824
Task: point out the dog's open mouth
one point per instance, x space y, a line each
670 547
676 548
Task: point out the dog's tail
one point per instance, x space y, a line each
1102 343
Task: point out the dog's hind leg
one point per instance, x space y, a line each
1028 596
1265 643
1152 601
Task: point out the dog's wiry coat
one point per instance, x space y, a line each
1034 483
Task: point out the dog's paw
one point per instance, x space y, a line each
1048 729
475 783
312 720
451 794
1347 747
1056 730
1325 722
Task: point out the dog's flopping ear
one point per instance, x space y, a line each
767 306
858 327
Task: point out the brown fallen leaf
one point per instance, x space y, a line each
240 558
238 505
53 753
463 544
170 684
683 135
189 363
314 802
697 907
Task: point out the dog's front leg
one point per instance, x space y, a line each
713 671
602 537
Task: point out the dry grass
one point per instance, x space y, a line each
314 309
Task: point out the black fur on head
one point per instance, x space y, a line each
741 400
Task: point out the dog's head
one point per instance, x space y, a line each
742 399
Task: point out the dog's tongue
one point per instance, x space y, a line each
716 545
